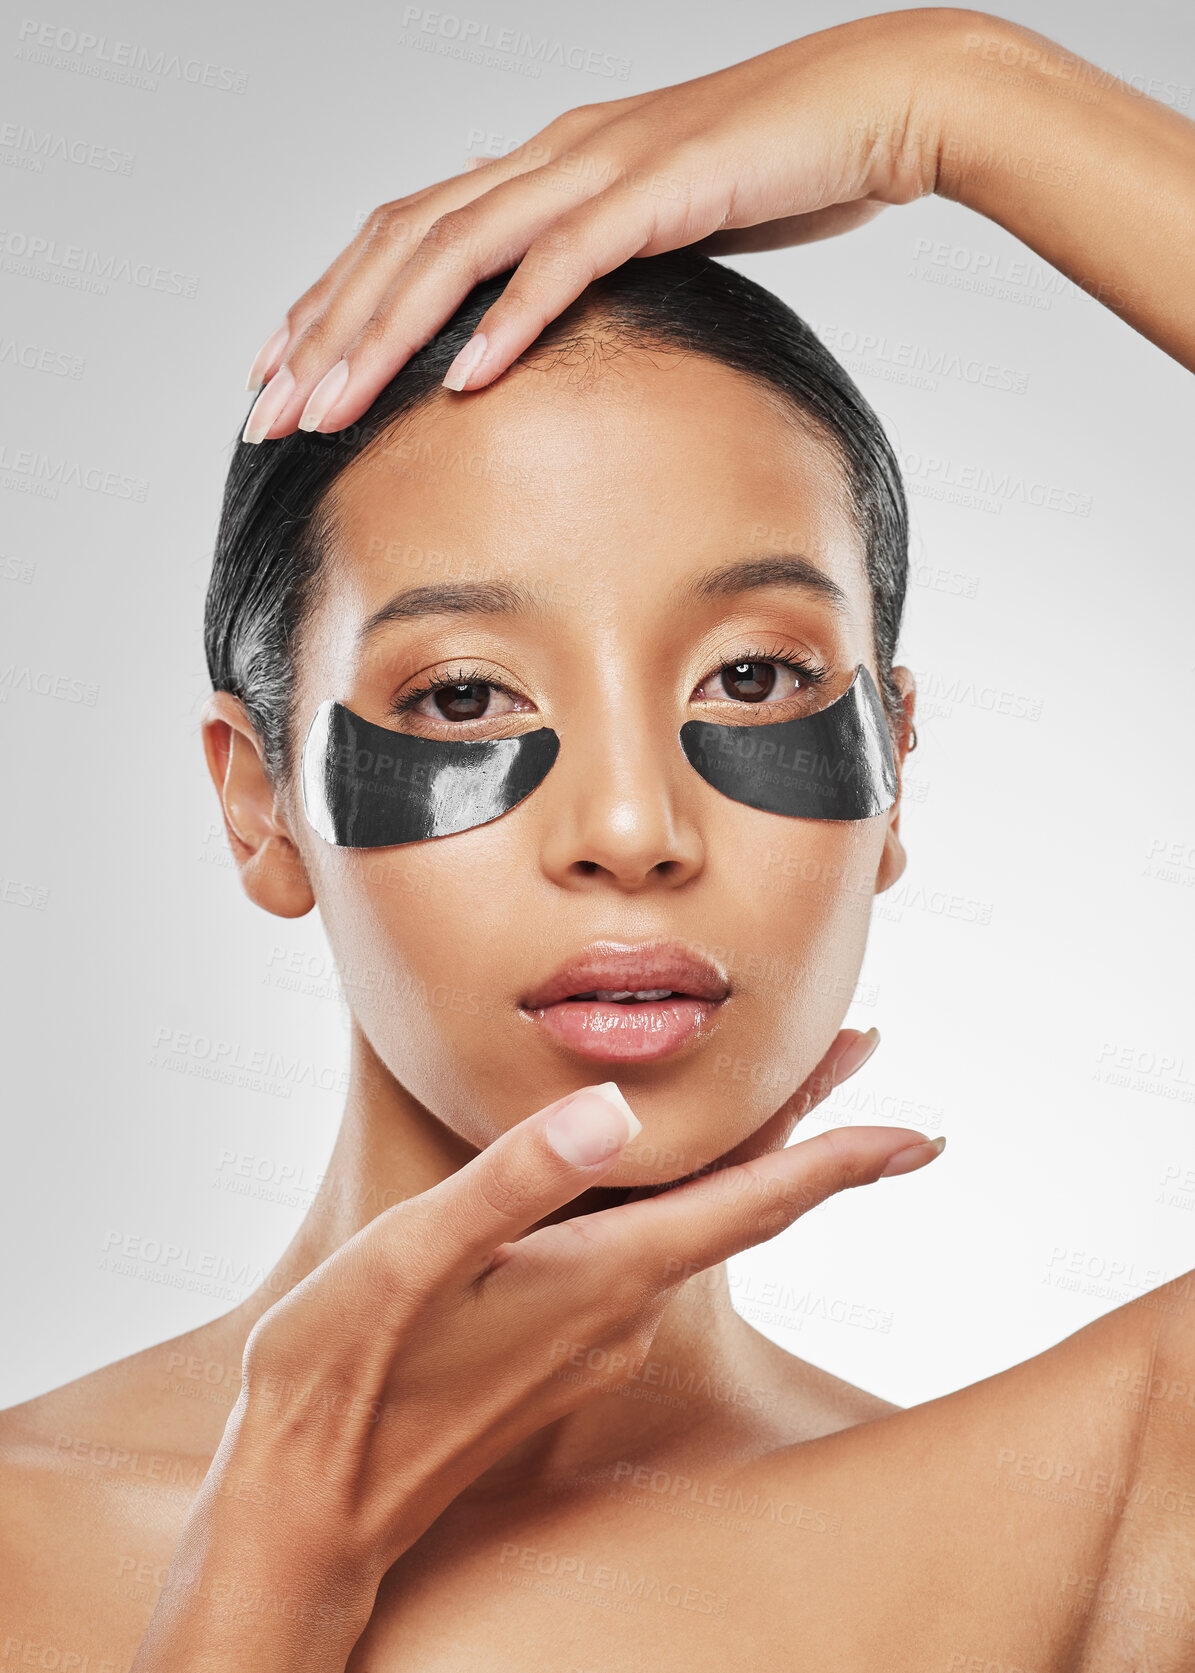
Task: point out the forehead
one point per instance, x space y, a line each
620 476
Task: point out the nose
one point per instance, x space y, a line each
619 815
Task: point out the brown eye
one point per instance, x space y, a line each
749 681
467 701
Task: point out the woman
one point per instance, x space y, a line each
460 1419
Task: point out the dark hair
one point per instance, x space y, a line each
276 523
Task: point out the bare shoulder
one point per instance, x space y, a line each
96 1480
174 1395
1041 1518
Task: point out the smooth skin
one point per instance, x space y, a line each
414 1467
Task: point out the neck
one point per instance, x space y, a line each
390 1148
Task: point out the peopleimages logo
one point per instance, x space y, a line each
22 466
473 35
939 478
30 255
33 149
36 358
62 47
902 360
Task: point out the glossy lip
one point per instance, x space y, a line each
619 966
636 1032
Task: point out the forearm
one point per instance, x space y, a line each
1093 176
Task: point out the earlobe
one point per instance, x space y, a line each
893 860
272 871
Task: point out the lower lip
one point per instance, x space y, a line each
638 1032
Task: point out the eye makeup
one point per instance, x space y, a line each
467 692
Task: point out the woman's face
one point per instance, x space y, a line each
586 555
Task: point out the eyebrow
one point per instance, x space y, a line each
459 598
751 574
507 598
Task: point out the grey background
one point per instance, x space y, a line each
1027 974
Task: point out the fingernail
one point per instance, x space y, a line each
916 1156
324 396
592 1125
856 1055
268 405
466 362
266 354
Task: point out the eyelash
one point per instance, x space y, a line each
463 676
814 673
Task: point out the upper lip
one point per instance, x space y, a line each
619 967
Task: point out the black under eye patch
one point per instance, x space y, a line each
835 764
365 786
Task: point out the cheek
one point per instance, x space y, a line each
421 936
802 908
817 880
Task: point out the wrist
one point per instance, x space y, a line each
1014 113
903 68
310 1620
259 1577
224 1613
268 1517
272 1487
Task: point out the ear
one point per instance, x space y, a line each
272 871
894 858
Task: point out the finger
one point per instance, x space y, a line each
440 264
845 1057
531 1170
331 314
308 332
272 354
558 255
708 1220
361 272
641 213
622 220
847 1054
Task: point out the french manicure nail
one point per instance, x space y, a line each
324 396
592 1125
466 362
266 354
268 405
916 1156
856 1055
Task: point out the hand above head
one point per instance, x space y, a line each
808 140
773 151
